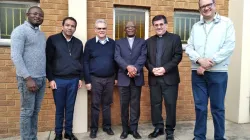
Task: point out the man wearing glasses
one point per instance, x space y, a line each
99 74
130 55
164 53
28 55
210 45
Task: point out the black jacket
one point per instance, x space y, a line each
171 57
64 59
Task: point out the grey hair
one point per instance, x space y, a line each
100 21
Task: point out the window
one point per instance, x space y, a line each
183 22
123 15
12 14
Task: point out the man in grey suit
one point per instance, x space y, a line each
130 55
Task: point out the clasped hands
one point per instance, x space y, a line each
205 64
132 71
159 71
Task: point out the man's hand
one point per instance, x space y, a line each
80 84
206 63
201 70
31 84
131 71
88 86
159 71
52 84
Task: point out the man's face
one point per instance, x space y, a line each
160 27
130 29
69 27
35 16
207 8
101 30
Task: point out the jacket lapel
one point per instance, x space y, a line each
136 41
126 43
153 48
166 41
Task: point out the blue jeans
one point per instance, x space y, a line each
64 98
211 85
30 106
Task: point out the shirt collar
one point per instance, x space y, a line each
27 23
133 38
97 39
66 38
216 19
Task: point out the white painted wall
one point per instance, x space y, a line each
78 10
237 98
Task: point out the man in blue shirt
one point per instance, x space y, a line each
211 43
99 75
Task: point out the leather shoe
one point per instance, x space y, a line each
58 137
136 135
70 136
156 133
124 135
93 134
170 137
109 131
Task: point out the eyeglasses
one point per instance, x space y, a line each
161 24
206 6
101 28
128 27
37 14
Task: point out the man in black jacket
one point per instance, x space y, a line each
164 55
64 54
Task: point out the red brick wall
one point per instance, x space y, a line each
55 11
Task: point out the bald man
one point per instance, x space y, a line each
130 55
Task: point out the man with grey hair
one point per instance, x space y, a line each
28 55
99 75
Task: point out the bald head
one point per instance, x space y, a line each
130 29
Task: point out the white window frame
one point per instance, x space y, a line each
133 9
6 42
185 45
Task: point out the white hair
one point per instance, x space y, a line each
100 21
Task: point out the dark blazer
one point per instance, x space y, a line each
171 57
125 56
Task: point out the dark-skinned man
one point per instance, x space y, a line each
28 55
130 55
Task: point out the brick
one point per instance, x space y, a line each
7 103
13 119
3 130
3 108
2 97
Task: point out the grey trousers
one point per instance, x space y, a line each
30 106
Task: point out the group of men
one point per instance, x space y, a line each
104 63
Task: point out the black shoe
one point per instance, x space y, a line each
136 135
58 137
109 131
93 134
156 133
170 137
124 135
70 136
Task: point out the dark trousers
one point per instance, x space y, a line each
169 94
64 98
101 94
130 96
211 85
